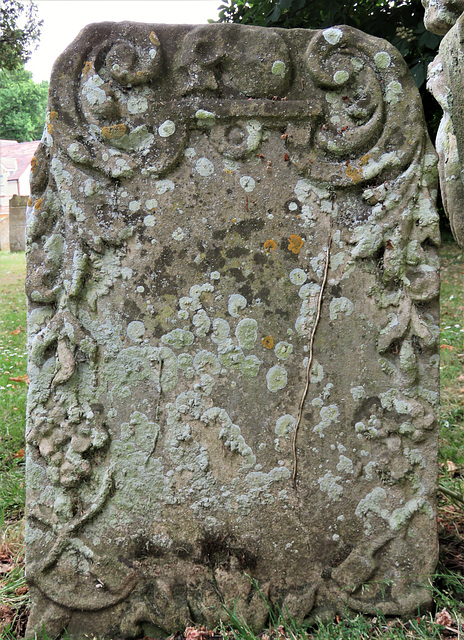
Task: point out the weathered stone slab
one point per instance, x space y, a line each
233 287
17 222
446 83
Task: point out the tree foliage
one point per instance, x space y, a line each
23 105
398 21
19 31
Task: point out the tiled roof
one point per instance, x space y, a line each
22 152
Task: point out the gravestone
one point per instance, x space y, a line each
17 222
446 83
233 290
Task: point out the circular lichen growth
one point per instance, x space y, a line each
178 338
276 378
279 68
168 128
136 330
250 366
247 333
298 276
284 425
283 350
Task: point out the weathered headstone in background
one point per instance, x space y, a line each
233 330
446 83
17 222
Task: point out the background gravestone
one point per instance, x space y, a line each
17 222
232 282
446 83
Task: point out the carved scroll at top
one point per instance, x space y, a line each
137 92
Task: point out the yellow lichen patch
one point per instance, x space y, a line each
365 159
50 128
270 245
53 115
295 243
88 68
29 202
268 342
38 204
114 132
353 173
34 164
154 39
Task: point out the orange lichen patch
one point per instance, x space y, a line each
50 128
353 173
154 39
365 159
53 115
34 164
270 245
295 243
268 342
88 68
29 202
114 132
38 204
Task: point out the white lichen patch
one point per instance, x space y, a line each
205 362
149 221
317 373
332 35
393 92
178 338
205 118
178 234
215 275
136 330
247 183
255 135
298 276
340 77
221 331
204 167
134 206
167 129
247 333
340 305
163 186
230 434
92 90
236 303
328 484
310 290
279 68
329 415
283 350
137 104
382 59
250 365
358 393
285 425
276 378
345 465
201 322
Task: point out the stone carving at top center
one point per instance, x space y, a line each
232 292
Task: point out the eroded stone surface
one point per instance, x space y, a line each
446 83
199 194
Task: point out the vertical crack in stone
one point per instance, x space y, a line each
310 357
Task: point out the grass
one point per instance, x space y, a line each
446 621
